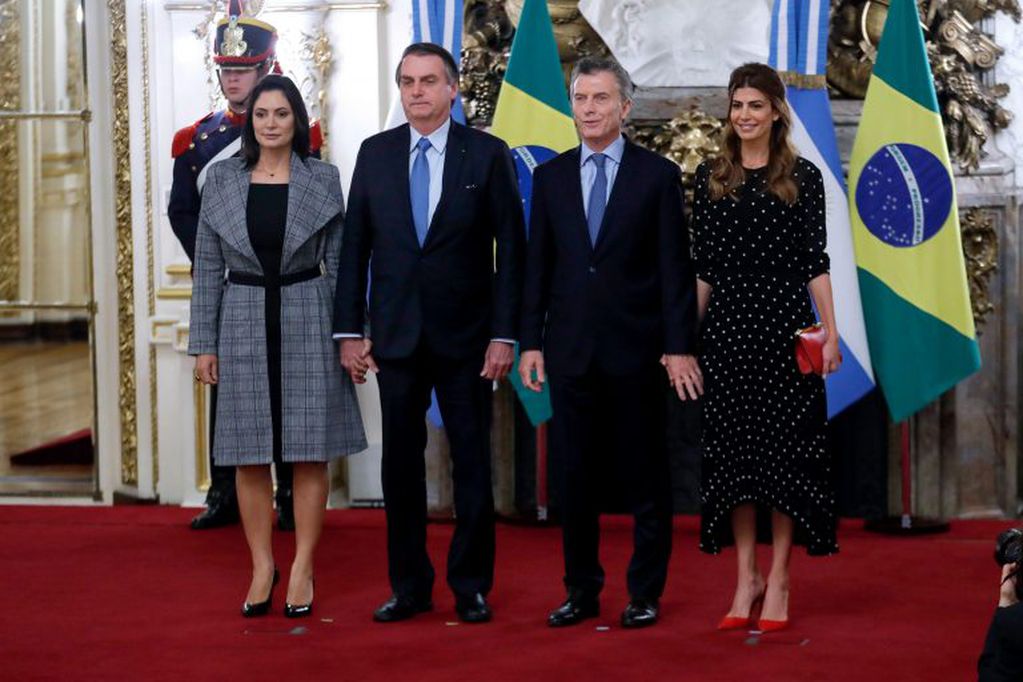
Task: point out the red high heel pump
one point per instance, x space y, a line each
740 622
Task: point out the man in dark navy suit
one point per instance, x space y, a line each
428 202
609 304
244 50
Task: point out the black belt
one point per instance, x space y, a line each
250 280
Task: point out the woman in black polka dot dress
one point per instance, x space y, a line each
759 222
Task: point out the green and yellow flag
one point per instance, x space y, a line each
906 228
534 118
532 107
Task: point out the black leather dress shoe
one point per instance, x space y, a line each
640 613
219 512
285 511
575 610
401 608
473 609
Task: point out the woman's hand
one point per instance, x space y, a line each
206 368
831 356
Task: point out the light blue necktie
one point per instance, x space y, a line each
598 198
420 190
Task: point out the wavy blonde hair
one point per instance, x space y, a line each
727 173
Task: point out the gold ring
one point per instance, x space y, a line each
195 375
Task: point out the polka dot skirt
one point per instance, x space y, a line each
763 422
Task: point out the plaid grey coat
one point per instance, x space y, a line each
320 414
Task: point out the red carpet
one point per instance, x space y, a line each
131 593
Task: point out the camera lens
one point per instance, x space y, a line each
1009 547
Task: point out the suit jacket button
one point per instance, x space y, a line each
593 269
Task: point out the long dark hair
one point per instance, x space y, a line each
300 142
727 173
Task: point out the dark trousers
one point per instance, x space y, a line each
222 478
465 405
623 416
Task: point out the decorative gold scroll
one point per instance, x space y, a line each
10 100
123 229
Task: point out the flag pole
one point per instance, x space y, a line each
906 523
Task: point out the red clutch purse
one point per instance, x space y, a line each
809 348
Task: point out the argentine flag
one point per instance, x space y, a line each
799 38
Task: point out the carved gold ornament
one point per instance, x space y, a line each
960 55
980 247
10 100
124 268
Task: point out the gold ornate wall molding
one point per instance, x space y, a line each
980 247
316 53
10 100
124 268
150 258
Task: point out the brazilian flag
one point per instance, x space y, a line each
905 222
534 118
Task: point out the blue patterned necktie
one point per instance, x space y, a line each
420 190
598 198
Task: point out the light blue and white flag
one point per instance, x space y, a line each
439 22
799 38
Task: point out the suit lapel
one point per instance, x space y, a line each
454 155
398 165
575 196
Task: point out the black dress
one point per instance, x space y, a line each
763 422
266 216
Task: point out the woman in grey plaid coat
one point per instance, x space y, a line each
266 260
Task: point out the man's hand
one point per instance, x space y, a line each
498 361
684 375
357 358
206 370
1007 591
529 362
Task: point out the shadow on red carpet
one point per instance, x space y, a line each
132 593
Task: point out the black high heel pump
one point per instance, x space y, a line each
299 610
262 608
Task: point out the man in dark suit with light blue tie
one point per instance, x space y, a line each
427 203
609 304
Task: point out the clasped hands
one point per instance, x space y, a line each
357 359
684 373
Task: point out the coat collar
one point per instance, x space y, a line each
311 204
